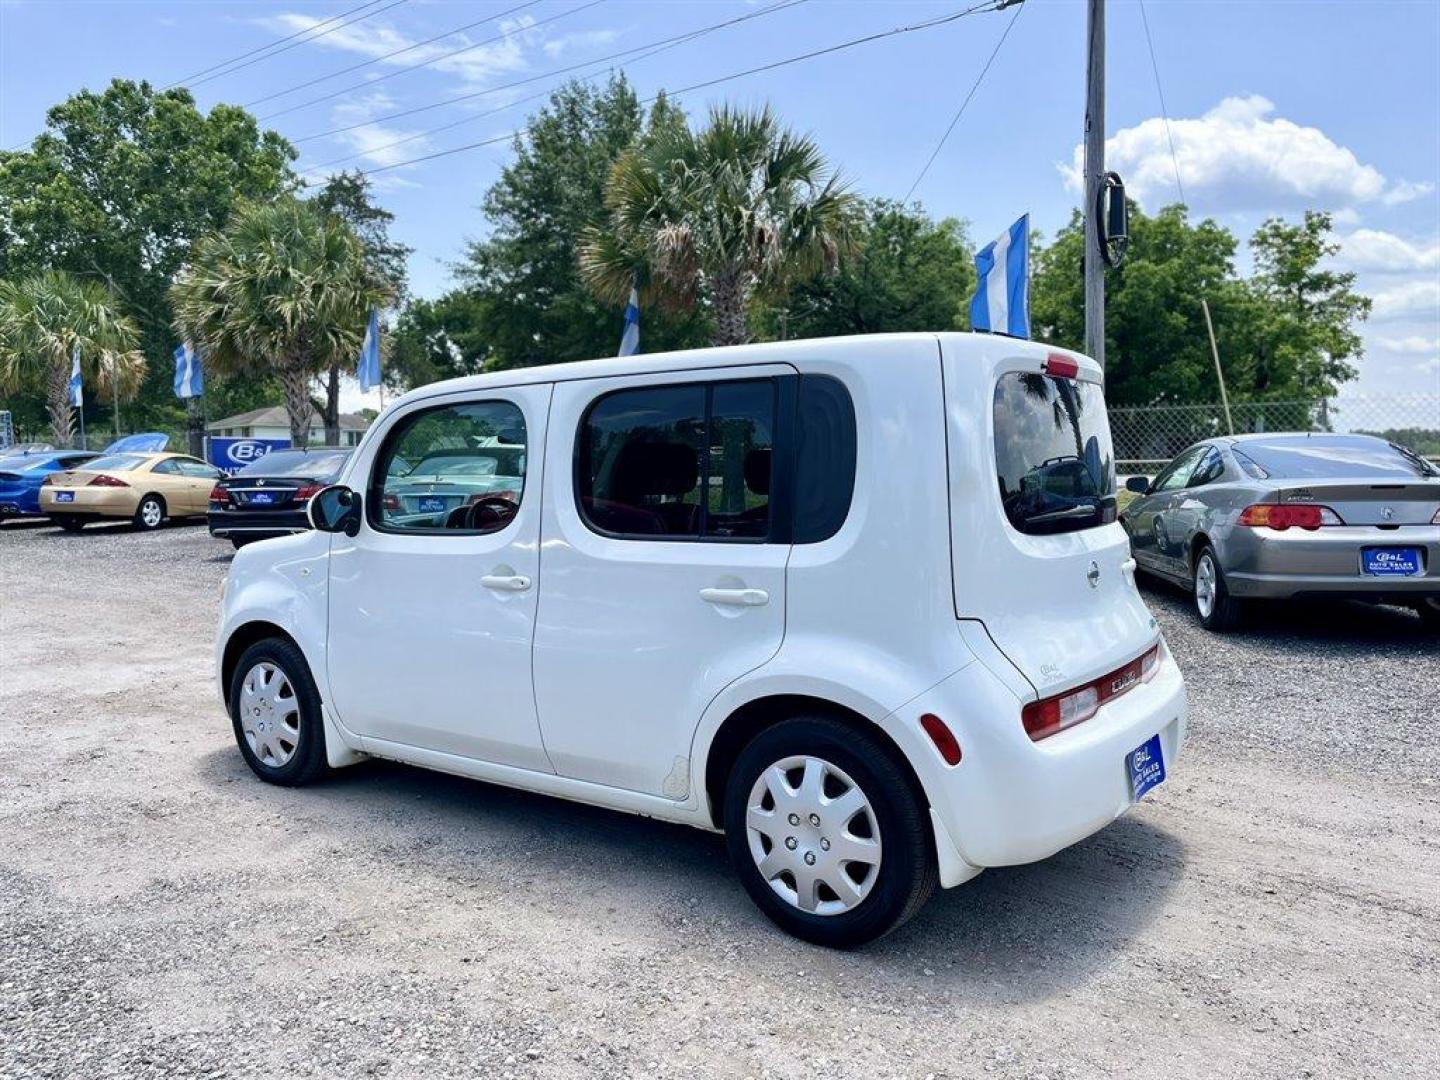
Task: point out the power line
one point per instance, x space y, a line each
989 5
965 104
389 55
268 45
426 63
648 50
295 44
1164 112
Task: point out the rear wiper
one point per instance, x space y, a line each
1063 515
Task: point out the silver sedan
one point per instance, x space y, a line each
1277 516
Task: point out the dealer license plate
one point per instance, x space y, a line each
64 496
1146 765
431 505
1391 561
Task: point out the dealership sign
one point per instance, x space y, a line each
231 455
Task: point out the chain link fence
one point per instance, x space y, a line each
1147 437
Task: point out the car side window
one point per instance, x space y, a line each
452 469
1180 470
679 462
199 470
168 467
1210 469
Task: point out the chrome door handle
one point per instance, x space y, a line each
506 582
736 597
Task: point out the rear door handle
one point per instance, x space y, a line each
506 582
736 597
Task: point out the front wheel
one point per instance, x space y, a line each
150 514
827 832
1217 610
275 711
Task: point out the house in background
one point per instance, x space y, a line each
274 423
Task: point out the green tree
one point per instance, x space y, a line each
118 187
44 319
438 339
524 302
347 196
741 208
909 272
284 289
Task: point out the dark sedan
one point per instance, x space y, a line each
269 497
1275 516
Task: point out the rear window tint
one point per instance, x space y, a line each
115 463
295 463
1341 457
824 458
1054 460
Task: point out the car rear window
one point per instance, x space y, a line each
1053 455
114 463
295 463
1340 457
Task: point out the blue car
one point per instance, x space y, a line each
22 474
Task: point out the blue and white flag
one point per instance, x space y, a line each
189 379
1002 299
630 339
368 369
77 393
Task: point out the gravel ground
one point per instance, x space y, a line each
1272 910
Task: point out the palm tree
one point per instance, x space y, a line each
284 289
740 207
43 319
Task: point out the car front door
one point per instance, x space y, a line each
432 603
1189 508
1147 519
173 486
663 570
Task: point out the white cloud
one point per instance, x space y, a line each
1408 300
1413 345
1241 156
586 39
371 140
476 64
1384 252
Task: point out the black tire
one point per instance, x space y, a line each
306 762
237 543
1226 613
144 511
1429 611
69 522
906 874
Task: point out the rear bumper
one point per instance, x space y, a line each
92 501
1266 564
1011 801
257 525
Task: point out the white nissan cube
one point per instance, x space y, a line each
862 604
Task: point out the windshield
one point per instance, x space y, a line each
114 463
1053 455
318 465
1336 457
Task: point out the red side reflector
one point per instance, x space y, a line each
1062 367
943 738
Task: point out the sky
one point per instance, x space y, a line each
1274 107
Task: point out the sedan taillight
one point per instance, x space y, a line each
1054 714
307 491
220 495
1282 516
108 481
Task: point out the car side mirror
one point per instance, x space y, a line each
335 509
1140 485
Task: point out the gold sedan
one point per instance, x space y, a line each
146 488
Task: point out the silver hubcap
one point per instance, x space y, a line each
1205 585
269 714
150 513
813 835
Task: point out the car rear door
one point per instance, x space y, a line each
655 596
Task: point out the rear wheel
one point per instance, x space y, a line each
1217 609
68 522
1429 609
828 833
275 712
150 514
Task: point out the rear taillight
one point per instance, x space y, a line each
1436 519
391 501
46 482
307 491
219 495
1054 714
108 481
1286 515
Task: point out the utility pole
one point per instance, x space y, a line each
1094 178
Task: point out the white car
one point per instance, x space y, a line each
815 594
